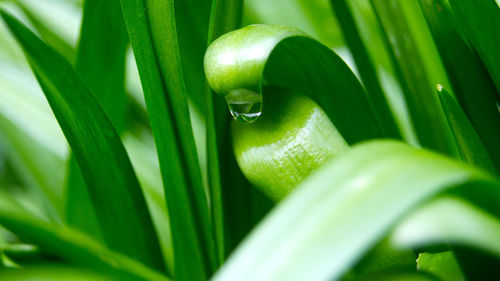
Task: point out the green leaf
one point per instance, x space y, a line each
71 245
51 38
226 15
152 32
286 144
413 72
442 265
366 69
192 19
469 145
145 161
383 258
22 253
480 20
473 87
102 67
259 55
399 277
339 213
437 223
313 17
52 273
33 140
101 156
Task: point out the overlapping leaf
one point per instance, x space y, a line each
257 54
101 156
339 213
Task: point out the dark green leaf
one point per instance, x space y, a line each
192 19
411 71
480 20
102 67
226 15
162 80
101 156
469 145
470 81
366 69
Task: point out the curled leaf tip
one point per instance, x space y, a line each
236 60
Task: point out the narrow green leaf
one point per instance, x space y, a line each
52 273
22 253
98 150
259 55
35 167
313 17
51 38
480 20
473 87
145 161
102 67
226 15
34 143
370 183
71 245
152 32
469 145
100 58
192 19
410 69
366 69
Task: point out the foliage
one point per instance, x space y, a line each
368 136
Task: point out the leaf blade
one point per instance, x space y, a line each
480 20
71 245
165 96
364 177
102 67
246 57
366 69
90 133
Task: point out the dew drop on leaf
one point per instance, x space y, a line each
245 105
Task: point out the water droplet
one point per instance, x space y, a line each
245 105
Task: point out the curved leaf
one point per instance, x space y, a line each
101 156
260 55
450 220
340 212
285 145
